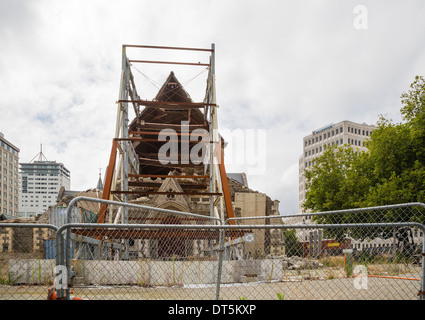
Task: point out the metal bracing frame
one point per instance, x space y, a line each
126 165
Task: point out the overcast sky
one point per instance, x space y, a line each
283 67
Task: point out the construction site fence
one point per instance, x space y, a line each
172 255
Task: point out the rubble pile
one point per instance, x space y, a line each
298 263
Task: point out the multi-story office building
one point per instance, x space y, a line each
40 185
9 178
343 133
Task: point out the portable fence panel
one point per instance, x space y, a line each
25 272
305 274
376 251
172 262
124 259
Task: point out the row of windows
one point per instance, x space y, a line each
45 192
10 188
334 132
11 212
25 196
359 131
334 143
11 163
11 205
8 148
11 168
42 183
5 162
10 174
40 174
44 172
324 136
319 149
41 188
11 182
10 196
26 201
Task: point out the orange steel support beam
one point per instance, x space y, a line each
108 181
225 185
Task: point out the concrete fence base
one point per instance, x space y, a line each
148 272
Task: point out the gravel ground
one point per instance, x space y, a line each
332 289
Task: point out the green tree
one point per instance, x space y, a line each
292 246
337 180
391 172
413 112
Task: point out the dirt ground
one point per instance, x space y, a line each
330 289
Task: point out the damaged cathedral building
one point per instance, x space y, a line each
170 156
185 185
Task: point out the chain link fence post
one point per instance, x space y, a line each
220 262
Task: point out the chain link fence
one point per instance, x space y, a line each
26 267
152 253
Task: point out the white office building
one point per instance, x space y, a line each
9 181
40 185
343 133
